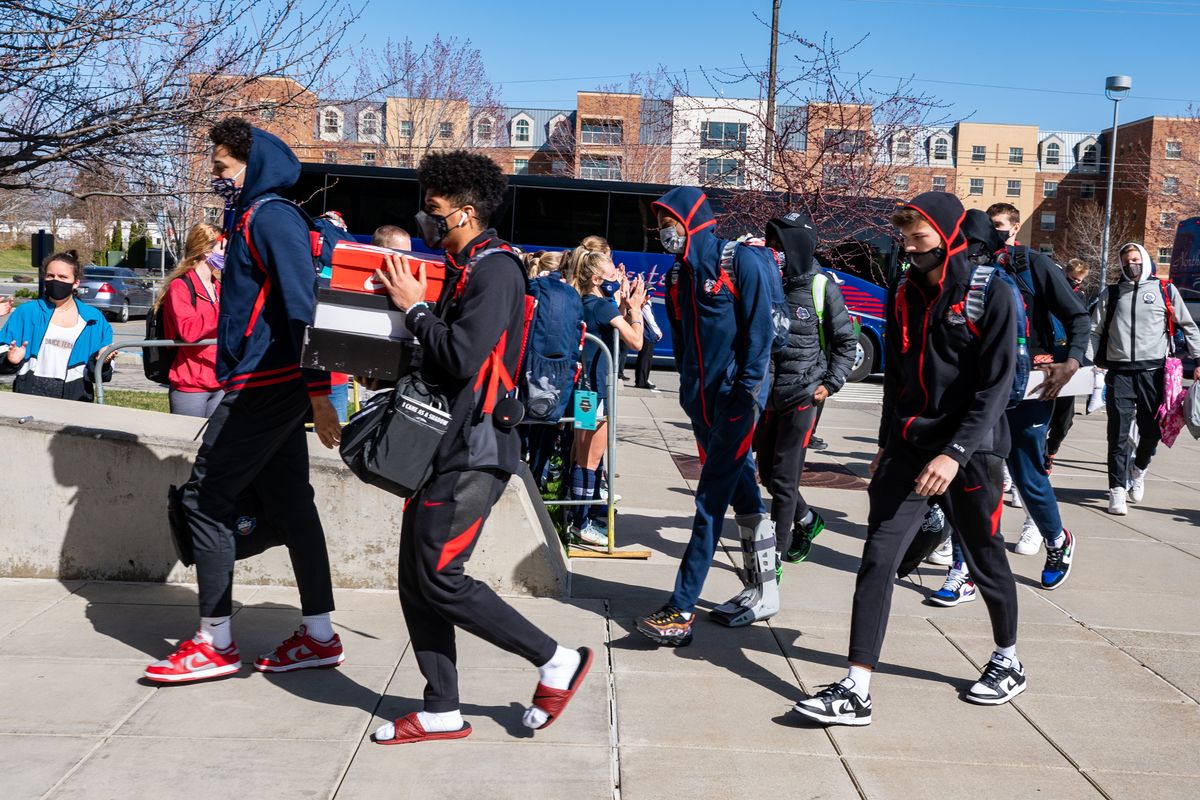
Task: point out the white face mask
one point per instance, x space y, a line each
672 240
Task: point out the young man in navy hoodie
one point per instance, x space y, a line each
256 438
722 334
942 434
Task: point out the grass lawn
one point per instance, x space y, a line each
147 401
12 261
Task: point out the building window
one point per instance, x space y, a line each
559 167
520 166
521 132
939 183
1053 155
368 158
331 123
483 130
1087 191
724 135
1050 190
903 148
835 176
267 113
902 184
368 124
406 129
1047 222
1016 155
212 215
978 153
845 140
600 168
404 160
445 130
330 157
1091 158
1174 150
1170 185
1164 255
976 186
602 132
722 172
1014 189
941 149
1166 220
1046 249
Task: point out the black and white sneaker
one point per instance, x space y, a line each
836 704
1002 680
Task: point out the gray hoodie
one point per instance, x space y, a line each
1137 335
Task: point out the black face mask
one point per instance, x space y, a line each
59 290
927 261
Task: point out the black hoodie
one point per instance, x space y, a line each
800 366
947 382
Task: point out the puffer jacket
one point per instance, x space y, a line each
801 366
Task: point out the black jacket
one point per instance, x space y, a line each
801 366
945 386
458 337
1052 294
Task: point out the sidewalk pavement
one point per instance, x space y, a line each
1111 710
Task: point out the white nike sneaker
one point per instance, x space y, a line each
1116 502
1137 485
1031 539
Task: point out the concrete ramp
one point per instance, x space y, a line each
85 497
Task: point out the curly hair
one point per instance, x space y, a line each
465 179
236 134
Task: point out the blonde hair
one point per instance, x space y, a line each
543 261
588 265
596 243
200 241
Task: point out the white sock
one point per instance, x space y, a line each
1057 541
858 681
320 628
807 519
1010 653
555 673
218 631
432 723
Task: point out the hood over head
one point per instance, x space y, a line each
690 206
1147 264
982 237
798 238
945 213
272 167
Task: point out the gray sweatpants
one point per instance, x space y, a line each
195 404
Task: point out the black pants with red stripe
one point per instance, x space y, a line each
972 506
256 438
780 445
440 529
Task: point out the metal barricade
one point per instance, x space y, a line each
610 458
113 348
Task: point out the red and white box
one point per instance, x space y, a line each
354 268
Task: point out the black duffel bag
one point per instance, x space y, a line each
255 528
391 442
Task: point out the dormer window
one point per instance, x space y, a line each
331 123
1053 154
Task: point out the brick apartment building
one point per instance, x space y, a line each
1057 179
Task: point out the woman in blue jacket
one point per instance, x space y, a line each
52 343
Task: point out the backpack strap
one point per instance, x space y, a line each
1166 296
493 377
727 269
1112 295
243 225
976 303
820 283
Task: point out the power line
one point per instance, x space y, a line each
1038 9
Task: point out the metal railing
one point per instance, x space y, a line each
97 376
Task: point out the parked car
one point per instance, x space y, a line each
116 291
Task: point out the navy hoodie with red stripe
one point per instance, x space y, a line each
721 324
947 382
269 284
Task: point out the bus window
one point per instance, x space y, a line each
367 202
632 224
558 217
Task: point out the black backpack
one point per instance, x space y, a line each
157 361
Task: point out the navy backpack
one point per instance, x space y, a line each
554 340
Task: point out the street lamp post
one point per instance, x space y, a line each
1115 87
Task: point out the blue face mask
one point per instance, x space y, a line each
216 261
227 188
610 288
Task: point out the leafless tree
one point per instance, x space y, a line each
1081 239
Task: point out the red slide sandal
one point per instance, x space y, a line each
554 701
409 730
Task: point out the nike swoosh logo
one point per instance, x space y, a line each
372 285
737 418
195 662
299 653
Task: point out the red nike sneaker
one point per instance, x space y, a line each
195 660
302 651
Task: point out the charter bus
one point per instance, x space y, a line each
1185 262
553 213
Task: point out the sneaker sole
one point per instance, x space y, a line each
939 561
312 663
215 672
1027 551
669 641
831 719
1066 574
937 601
995 701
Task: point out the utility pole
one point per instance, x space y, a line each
770 144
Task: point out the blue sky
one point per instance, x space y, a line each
990 61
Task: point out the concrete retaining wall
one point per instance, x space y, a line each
85 491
